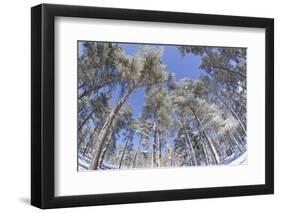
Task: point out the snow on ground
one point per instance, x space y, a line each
84 162
242 159
106 165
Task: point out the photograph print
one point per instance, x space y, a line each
146 106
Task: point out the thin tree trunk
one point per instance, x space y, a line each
171 154
240 139
105 148
155 162
237 84
235 141
206 154
220 68
239 104
90 141
87 146
235 101
124 150
137 151
80 141
189 144
169 149
85 120
159 148
239 96
224 148
230 144
79 87
94 89
210 144
186 149
106 127
233 113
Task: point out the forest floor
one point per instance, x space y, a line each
241 160
84 162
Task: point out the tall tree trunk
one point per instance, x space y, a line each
235 141
85 120
171 150
239 104
210 143
94 88
230 144
186 149
137 152
235 101
159 148
222 69
232 111
206 153
124 150
90 141
240 139
155 162
87 146
171 154
237 84
241 97
105 129
105 148
189 144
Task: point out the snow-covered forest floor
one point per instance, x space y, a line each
242 159
84 162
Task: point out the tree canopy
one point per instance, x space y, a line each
182 121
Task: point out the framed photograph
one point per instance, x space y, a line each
139 106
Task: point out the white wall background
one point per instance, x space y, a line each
15 105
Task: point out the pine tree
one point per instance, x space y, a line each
157 108
144 69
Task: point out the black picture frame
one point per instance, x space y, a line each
43 105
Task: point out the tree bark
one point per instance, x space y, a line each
220 68
240 96
154 156
237 84
189 144
239 104
169 149
171 154
137 151
88 144
159 148
105 148
240 139
105 129
94 88
124 150
90 141
210 143
206 154
235 141
85 120
232 111
235 101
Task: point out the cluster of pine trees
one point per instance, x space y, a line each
183 123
